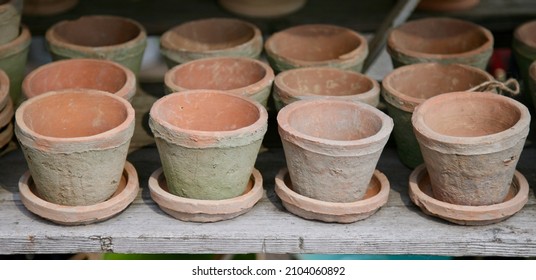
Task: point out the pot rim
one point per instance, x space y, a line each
248 90
519 38
422 128
358 53
127 91
168 44
408 103
393 47
286 112
18 44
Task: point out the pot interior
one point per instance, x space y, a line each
77 74
97 31
314 43
74 114
326 82
208 111
527 33
218 73
438 36
340 121
471 116
211 34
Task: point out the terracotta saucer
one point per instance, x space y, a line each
78 215
6 135
420 192
198 210
347 212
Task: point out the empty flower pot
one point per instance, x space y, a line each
471 142
208 142
13 56
75 143
524 50
47 7
262 8
332 147
316 45
236 75
324 82
9 20
408 86
81 73
103 37
443 40
211 37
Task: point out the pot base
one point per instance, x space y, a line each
203 211
420 192
81 215
333 212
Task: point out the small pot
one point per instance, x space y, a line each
408 86
47 7
86 73
262 8
443 40
324 82
9 20
13 56
447 5
332 147
236 75
316 45
75 143
103 37
208 142
524 50
471 142
211 37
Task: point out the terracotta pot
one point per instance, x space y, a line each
332 147
9 20
443 40
236 75
262 8
447 5
81 73
76 160
104 37
324 82
524 50
208 142
471 142
211 37
316 45
13 56
408 86
47 7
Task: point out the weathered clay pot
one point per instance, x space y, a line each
75 142
524 50
443 40
81 73
332 147
324 82
211 37
104 37
471 142
208 142
447 5
236 75
9 20
408 86
262 8
47 7
316 45
13 56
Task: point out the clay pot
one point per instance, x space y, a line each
471 142
235 75
211 37
104 37
408 86
13 56
47 7
78 159
9 20
81 73
524 50
443 40
208 142
332 147
262 8
447 5
316 45
324 82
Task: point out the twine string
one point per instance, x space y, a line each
510 87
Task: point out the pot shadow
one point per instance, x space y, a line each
269 163
12 167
